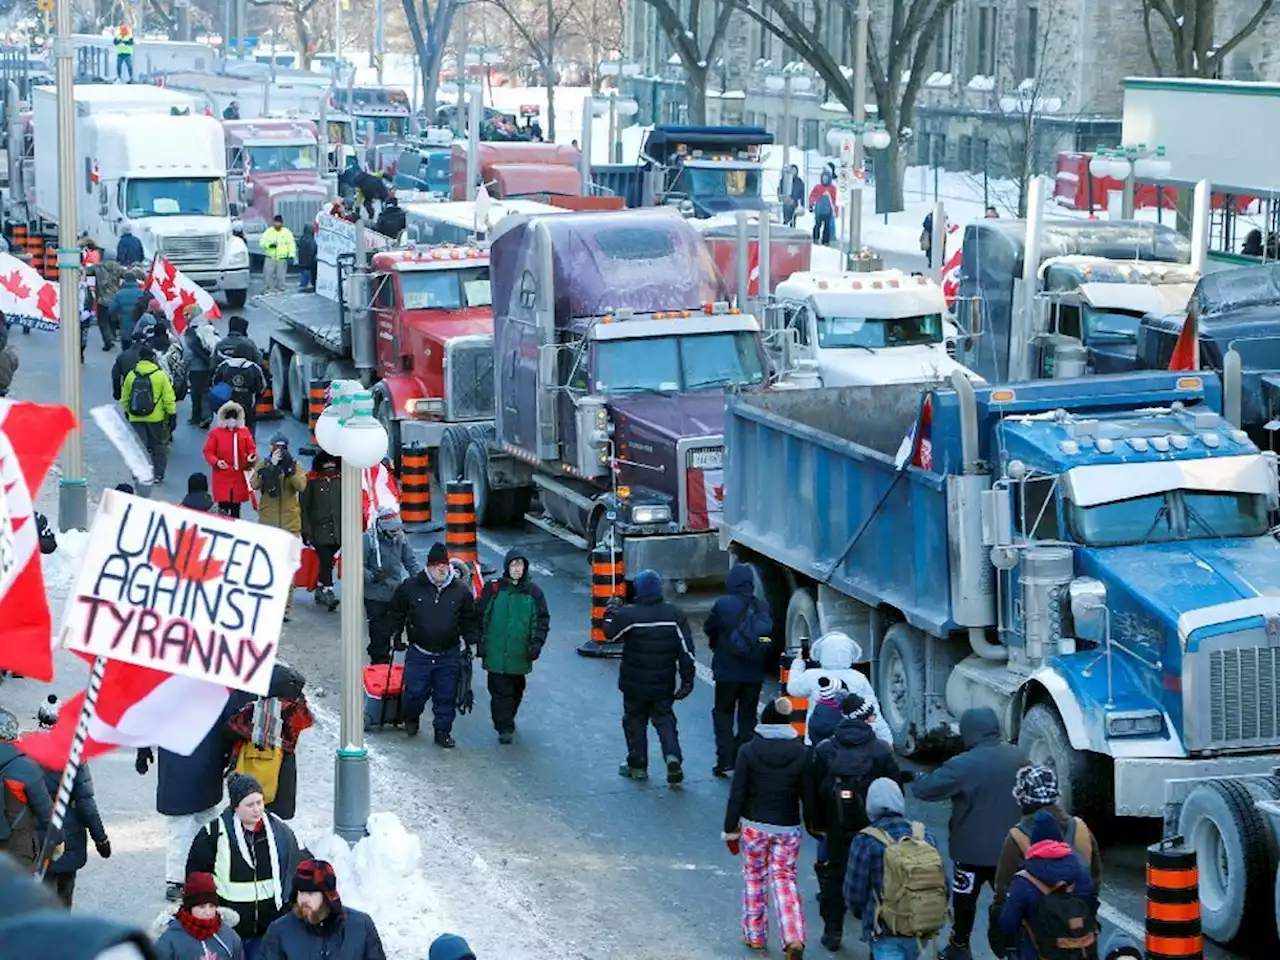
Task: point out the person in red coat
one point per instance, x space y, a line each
230 450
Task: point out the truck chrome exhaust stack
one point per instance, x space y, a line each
1232 388
963 387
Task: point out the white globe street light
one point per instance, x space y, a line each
1100 165
878 139
627 107
838 136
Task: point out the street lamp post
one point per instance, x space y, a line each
853 242
1126 164
849 138
786 82
73 491
347 429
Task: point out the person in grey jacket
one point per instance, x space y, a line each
200 930
388 562
979 783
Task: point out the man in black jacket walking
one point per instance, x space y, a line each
439 613
738 630
655 641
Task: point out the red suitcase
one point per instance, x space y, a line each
383 686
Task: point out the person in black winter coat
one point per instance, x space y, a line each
129 248
195 347
319 924
656 641
979 783
247 722
770 798
34 924
391 221
321 505
81 822
44 532
126 360
198 497
737 630
308 253
439 613
25 801
237 362
845 766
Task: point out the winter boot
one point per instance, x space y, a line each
956 951
445 740
411 727
831 937
506 736
330 598
635 773
675 771
794 951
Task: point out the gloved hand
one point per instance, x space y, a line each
172 422
58 851
104 849
733 841
684 690
144 760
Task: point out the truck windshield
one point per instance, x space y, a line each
340 132
713 182
1164 517
445 289
837 332
391 125
1104 325
272 159
171 198
436 171
704 361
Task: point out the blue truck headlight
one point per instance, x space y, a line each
1134 723
651 513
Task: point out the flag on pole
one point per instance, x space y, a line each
1186 352
26 298
379 491
176 291
951 270
753 268
31 435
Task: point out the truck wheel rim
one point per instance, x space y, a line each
1215 863
899 694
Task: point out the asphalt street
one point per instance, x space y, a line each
537 849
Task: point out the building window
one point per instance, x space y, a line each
965 159
811 141
1029 43
942 44
984 42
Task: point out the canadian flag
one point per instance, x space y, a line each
753 269
31 435
26 298
951 269
95 175
379 490
176 291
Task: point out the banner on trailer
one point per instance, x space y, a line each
181 591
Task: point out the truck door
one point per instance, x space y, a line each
386 326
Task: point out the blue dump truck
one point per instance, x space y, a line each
1092 558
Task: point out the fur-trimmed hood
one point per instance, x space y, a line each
230 407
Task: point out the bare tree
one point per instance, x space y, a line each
597 27
429 24
542 26
899 54
694 44
1189 24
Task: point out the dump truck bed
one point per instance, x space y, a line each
310 316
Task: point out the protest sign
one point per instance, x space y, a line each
181 591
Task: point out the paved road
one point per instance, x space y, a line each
533 850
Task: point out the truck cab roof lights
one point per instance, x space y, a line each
1139 444
1210 440
1239 436
1069 447
1178 442
624 313
1160 444
715 308
1106 445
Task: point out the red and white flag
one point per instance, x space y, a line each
26 298
951 270
1186 351
753 269
379 491
31 435
137 707
176 291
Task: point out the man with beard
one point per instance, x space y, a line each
318 924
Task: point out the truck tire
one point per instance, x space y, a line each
901 685
1219 820
476 469
802 620
278 360
237 298
451 456
1084 779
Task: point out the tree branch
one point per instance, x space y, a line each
1243 33
1151 46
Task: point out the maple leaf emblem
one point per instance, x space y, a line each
185 299
186 562
47 302
13 283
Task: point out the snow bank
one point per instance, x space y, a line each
63 565
382 875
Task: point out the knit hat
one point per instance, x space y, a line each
279 438
438 553
238 324
199 888
197 483
1035 786
8 725
450 946
1045 827
777 711
317 876
648 585
389 520
857 707
125 487
830 687
240 786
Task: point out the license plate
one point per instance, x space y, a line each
712 459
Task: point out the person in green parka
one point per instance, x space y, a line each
514 627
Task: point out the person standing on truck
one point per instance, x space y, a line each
979 783
514 625
737 631
280 480
391 221
388 562
307 256
279 247
656 642
128 247
149 404
124 51
836 652
438 610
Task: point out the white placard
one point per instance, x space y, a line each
182 591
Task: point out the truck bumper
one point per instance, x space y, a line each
1140 783
428 432
679 556
221 279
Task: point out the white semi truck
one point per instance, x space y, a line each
136 161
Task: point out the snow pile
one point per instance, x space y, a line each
63 565
382 875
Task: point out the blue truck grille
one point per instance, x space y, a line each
1243 708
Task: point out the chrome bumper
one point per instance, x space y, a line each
221 279
679 556
1148 787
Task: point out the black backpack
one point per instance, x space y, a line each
749 637
846 807
1063 925
142 399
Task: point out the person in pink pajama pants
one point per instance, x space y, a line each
772 795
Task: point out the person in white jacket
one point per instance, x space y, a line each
836 653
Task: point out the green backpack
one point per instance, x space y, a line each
913 898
